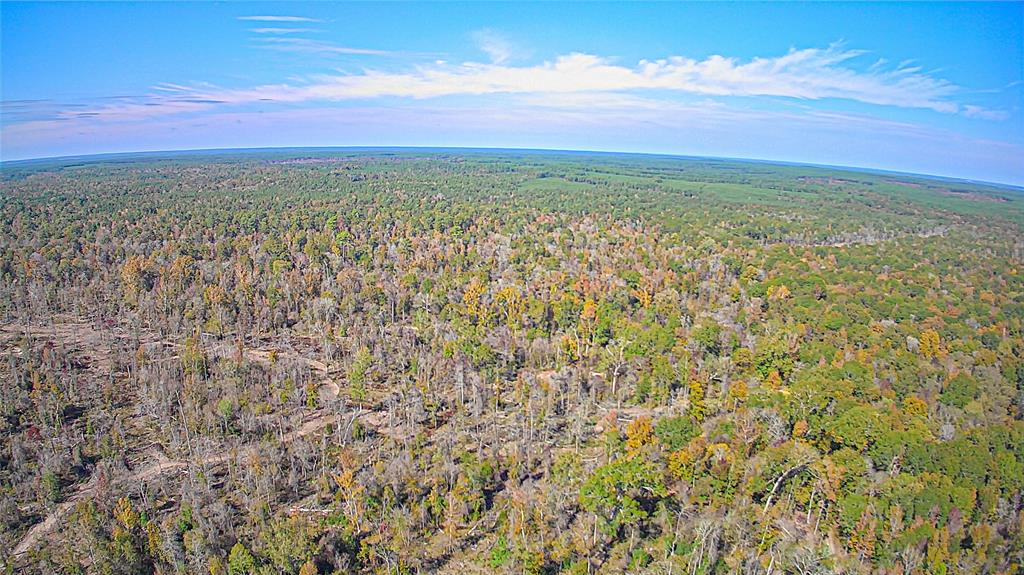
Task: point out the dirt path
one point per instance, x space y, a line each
94 340
93 344
164 466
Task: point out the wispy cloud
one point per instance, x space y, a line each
574 81
310 46
983 113
279 19
496 46
280 30
809 74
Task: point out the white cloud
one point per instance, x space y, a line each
598 101
279 30
574 81
308 46
278 19
810 74
497 47
983 113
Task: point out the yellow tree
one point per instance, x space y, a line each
778 292
697 406
588 319
216 298
513 305
644 292
929 344
738 392
938 550
472 299
914 405
639 432
136 276
589 313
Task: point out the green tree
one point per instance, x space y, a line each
618 492
241 561
959 391
676 432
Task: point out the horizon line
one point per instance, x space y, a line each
267 149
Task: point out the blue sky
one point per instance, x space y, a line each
932 88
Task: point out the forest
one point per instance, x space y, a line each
507 362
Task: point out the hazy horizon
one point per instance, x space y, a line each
931 89
151 154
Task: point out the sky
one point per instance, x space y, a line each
931 88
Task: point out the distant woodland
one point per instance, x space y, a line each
491 362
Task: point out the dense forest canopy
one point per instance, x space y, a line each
454 361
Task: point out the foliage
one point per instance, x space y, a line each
419 361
